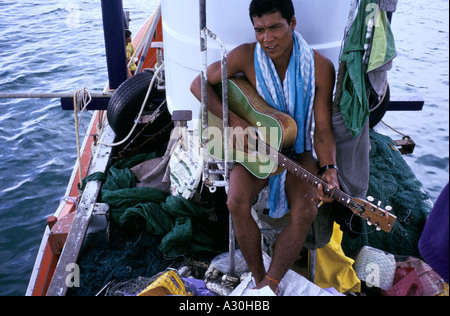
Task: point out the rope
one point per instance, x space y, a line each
151 120
81 99
404 135
382 99
70 198
155 76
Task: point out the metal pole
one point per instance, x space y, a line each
204 88
204 33
45 95
114 32
312 264
148 42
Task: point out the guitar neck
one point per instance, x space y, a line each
297 170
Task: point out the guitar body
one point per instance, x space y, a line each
275 128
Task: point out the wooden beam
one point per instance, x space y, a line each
406 103
96 104
71 250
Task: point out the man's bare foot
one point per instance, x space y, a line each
271 283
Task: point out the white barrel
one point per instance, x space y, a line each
321 22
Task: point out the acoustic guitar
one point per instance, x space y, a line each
277 132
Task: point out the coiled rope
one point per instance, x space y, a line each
81 99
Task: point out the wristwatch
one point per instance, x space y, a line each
325 168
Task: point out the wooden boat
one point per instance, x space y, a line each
55 265
55 237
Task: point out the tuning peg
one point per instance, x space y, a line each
370 199
377 225
379 203
369 223
388 208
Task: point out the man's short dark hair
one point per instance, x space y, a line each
260 7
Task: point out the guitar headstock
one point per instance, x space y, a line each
373 214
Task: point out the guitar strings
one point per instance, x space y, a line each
349 226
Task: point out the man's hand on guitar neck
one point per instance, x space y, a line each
329 176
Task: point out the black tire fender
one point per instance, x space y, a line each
126 102
376 115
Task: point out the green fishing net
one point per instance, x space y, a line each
393 182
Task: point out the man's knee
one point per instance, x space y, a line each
306 215
237 205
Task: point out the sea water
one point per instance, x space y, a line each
58 46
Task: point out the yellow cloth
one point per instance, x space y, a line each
130 52
334 268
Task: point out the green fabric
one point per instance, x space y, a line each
148 217
383 43
354 104
393 182
178 240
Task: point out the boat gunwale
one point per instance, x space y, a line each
65 207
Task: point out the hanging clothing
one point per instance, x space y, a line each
388 5
370 39
382 52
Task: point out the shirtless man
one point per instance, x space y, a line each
274 23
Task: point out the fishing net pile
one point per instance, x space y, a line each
183 225
150 231
393 182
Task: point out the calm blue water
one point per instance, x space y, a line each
57 46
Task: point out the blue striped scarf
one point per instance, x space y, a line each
294 97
